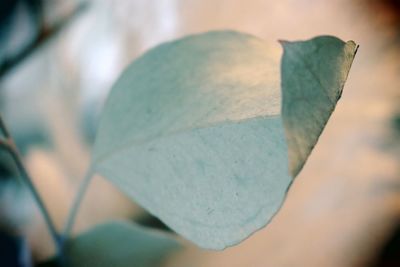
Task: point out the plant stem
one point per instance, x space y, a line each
76 204
4 129
8 144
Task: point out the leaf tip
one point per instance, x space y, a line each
283 42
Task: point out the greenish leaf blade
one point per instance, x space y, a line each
313 75
192 131
178 97
192 82
119 244
214 185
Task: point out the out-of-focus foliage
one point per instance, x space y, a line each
20 25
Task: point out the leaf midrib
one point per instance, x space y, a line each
140 142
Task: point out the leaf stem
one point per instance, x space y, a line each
76 204
8 144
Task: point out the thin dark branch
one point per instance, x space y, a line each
44 36
9 145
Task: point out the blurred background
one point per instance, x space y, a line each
59 58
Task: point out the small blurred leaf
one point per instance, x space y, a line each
119 244
192 130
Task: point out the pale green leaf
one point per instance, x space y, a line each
192 131
119 244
